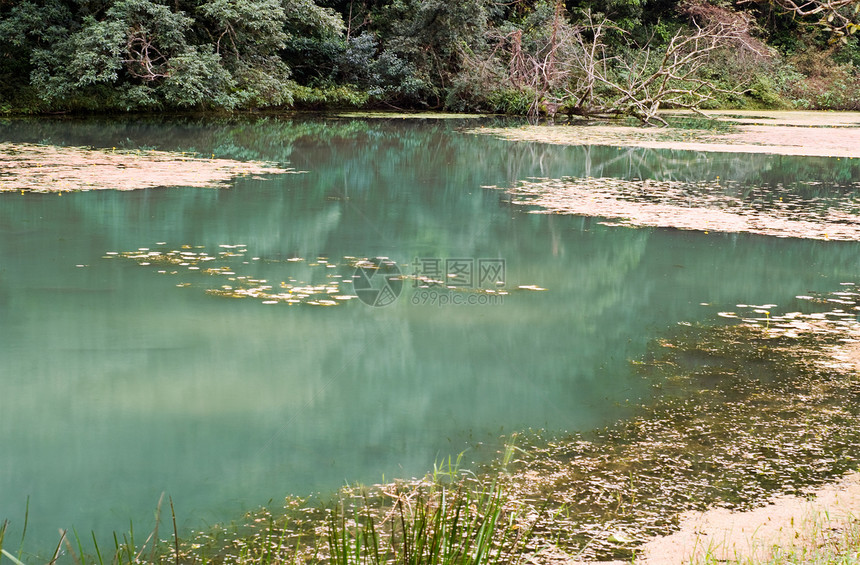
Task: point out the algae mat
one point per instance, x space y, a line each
809 208
702 206
810 134
47 168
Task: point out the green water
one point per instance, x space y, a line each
118 383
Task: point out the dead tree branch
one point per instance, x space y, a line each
640 83
143 59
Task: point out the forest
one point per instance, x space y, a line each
519 57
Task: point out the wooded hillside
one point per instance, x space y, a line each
586 57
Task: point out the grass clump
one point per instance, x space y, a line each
428 524
449 517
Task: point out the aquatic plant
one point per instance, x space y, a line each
428 524
741 412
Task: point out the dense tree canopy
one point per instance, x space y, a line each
516 56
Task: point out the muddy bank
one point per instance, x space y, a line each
47 168
795 525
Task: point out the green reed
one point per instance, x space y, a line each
428 523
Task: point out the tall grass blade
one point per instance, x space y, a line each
3 532
175 532
371 529
14 559
24 531
117 556
72 550
430 524
154 535
407 549
59 547
98 551
129 546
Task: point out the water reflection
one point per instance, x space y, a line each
120 382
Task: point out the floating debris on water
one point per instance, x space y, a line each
742 411
322 282
704 206
530 287
30 167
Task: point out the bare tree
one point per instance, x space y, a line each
640 82
143 58
538 72
573 68
543 70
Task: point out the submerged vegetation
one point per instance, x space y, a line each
523 57
741 412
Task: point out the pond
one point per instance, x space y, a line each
217 345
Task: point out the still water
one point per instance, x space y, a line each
119 382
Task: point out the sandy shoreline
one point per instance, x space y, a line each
787 523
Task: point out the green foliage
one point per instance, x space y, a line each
95 55
304 17
28 24
433 35
515 102
313 59
154 53
765 90
149 54
27 29
197 79
245 26
815 82
435 525
382 74
328 97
